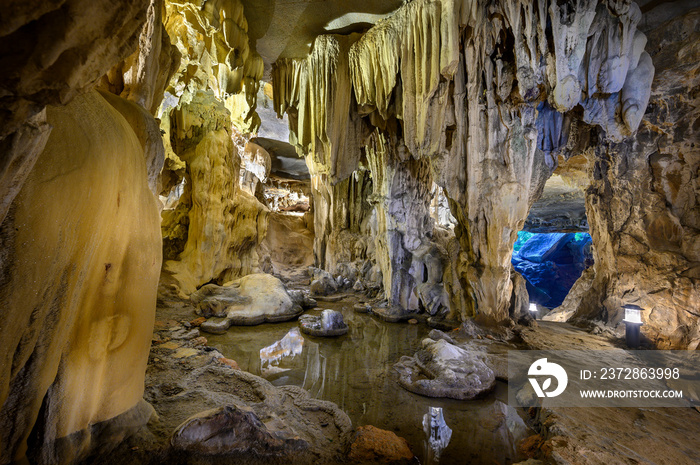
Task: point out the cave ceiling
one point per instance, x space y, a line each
287 28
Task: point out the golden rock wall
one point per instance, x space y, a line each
80 264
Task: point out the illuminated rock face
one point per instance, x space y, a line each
643 204
484 96
50 52
80 265
145 74
212 38
213 231
224 224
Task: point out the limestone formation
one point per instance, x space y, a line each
642 205
251 300
441 369
144 75
77 326
213 229
212 38
53 51
41 69
213 232
484 95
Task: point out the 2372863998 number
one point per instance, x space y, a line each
639 373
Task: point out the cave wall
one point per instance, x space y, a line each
643 204
39 70
490 94
213 231
81 246
80 265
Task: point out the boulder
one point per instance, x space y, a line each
323 283
251 300
441 369
230 429
375 445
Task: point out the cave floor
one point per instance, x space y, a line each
354 371
609 435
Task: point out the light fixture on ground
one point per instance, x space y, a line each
533 310
633 323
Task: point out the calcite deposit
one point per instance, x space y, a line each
642 205
478 98
211 233
75 348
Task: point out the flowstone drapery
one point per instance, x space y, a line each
486 95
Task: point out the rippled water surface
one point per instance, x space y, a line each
355 371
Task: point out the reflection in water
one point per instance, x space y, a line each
437 433
356 372
286 348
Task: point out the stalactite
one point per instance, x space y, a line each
486 92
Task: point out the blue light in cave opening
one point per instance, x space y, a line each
551 263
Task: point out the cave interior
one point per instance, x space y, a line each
319 231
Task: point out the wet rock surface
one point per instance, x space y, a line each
211 411
329 323
251 300
441 369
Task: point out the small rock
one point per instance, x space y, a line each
186 335
164 324
530 446
323 283
172 345
216 326
199 341
412 321
358 286
197 322
362 308
436 335
372 444
185 353
229 362
330 323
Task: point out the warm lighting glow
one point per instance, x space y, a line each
633 315
533 307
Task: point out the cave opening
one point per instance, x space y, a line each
551 263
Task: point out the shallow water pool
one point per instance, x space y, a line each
355 371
